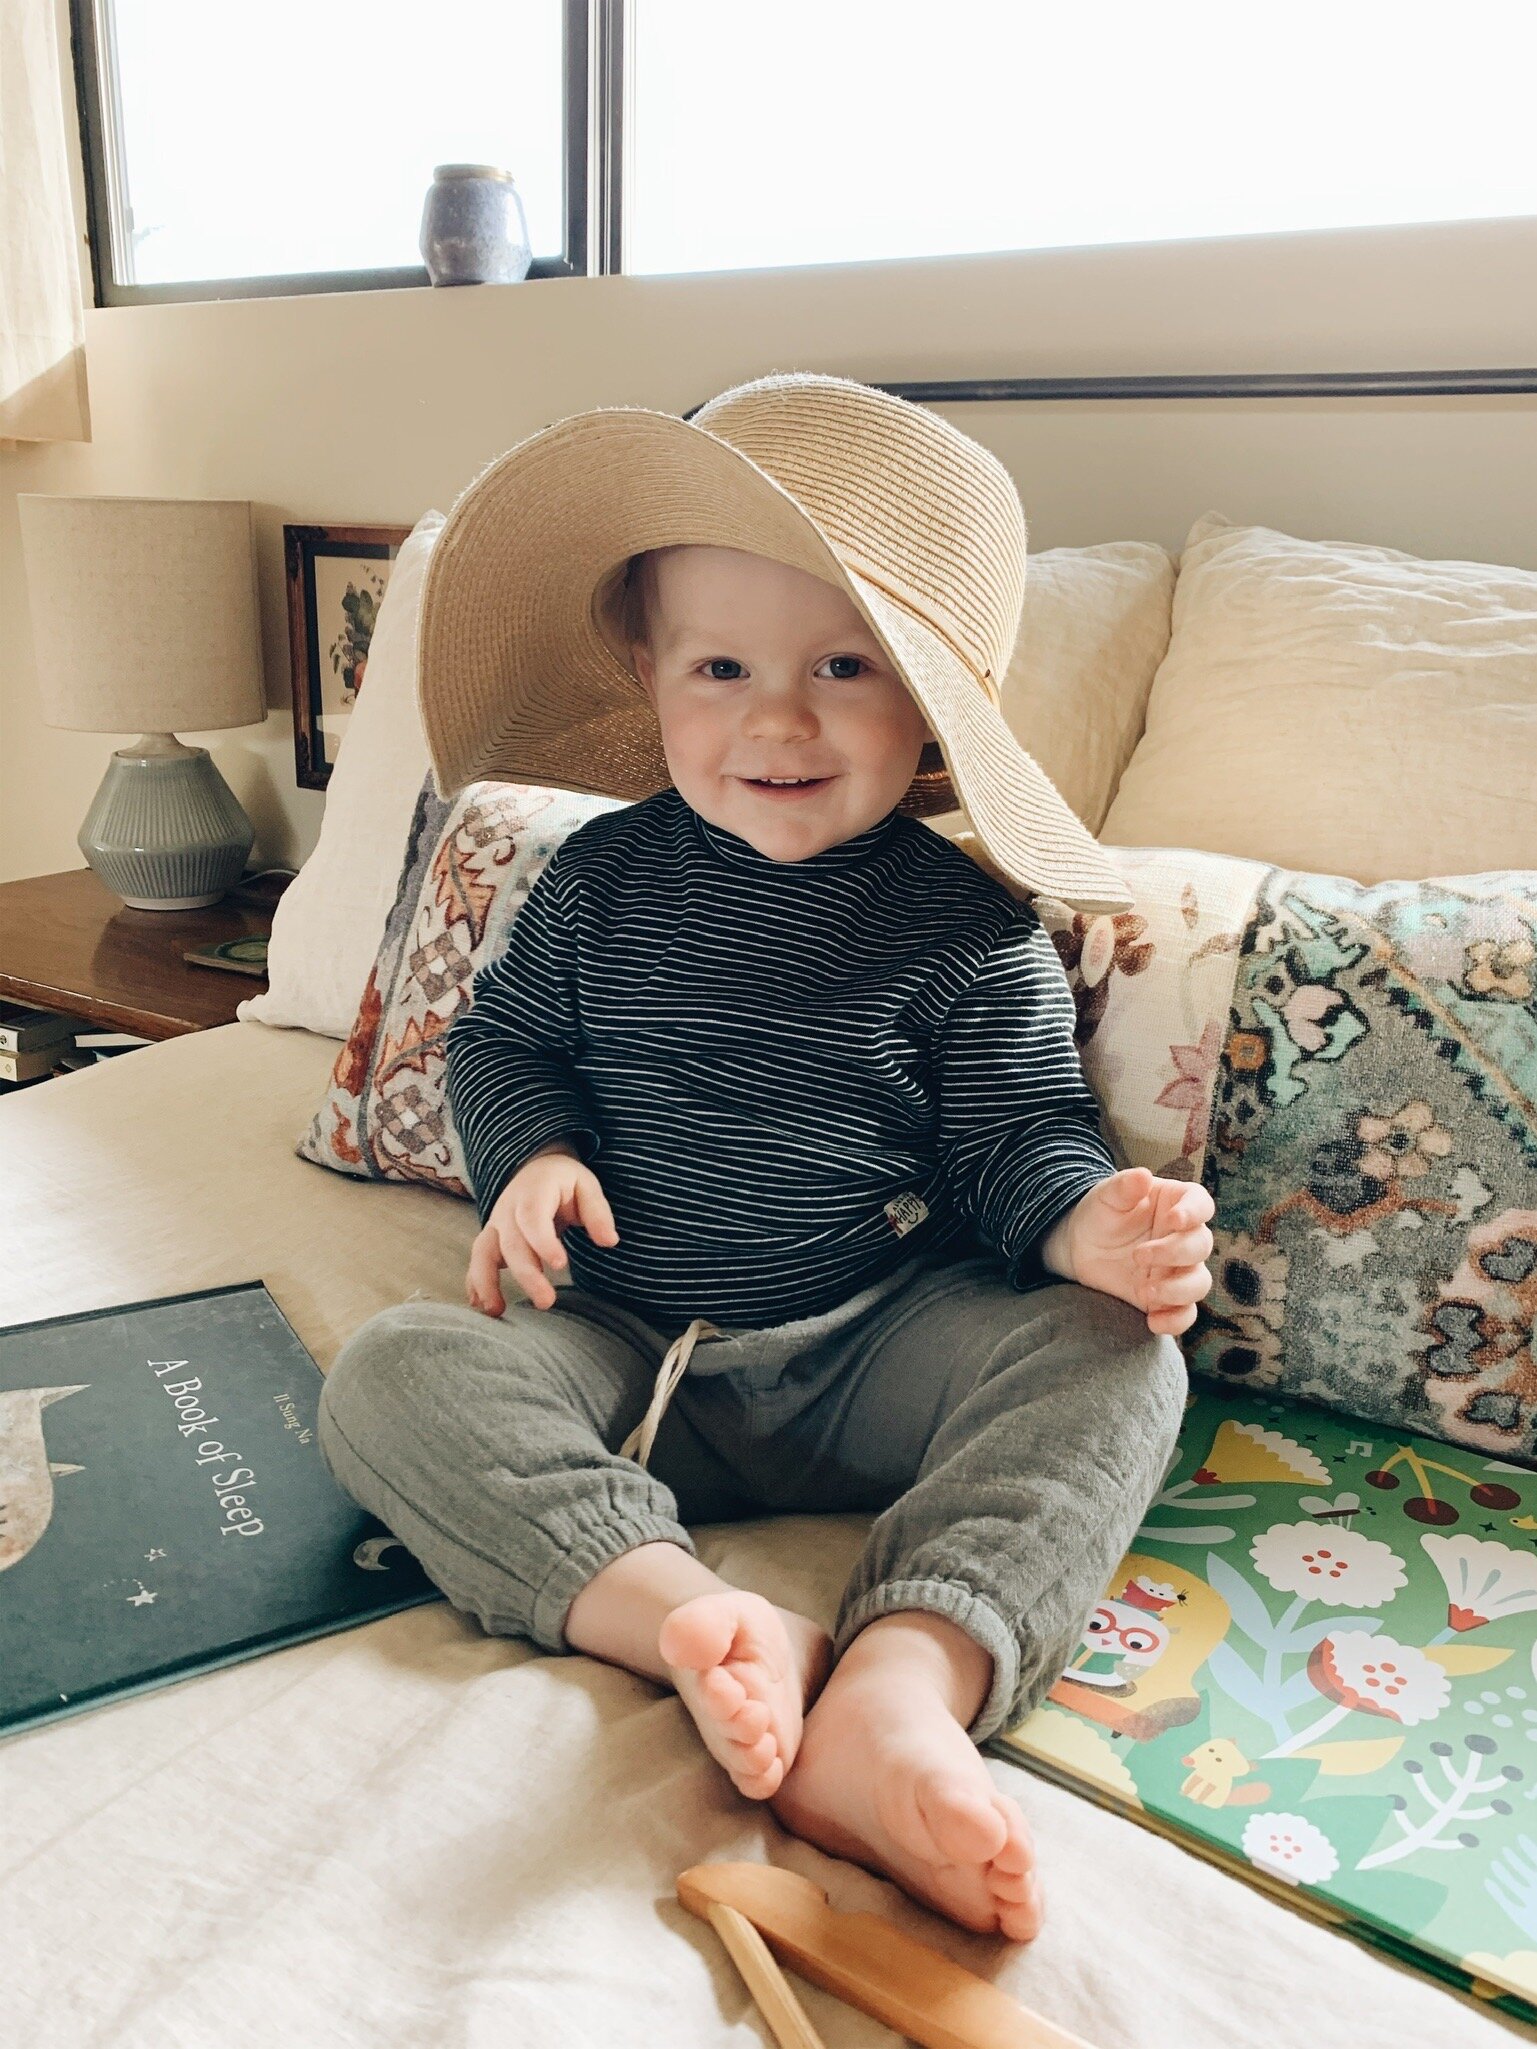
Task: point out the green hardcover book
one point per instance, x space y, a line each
164 1505
1318 1667
245 956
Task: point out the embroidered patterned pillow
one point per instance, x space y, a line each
469 865
1153 987
1357 1071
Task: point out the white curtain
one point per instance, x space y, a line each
42 309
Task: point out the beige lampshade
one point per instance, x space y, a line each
145 617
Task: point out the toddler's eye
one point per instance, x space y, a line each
722 662
846 675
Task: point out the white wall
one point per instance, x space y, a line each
373 406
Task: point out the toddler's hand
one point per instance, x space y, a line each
553 1189
1144 1238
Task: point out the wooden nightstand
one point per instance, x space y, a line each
67 943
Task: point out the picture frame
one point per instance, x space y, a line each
336 578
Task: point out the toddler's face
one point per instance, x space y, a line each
760 670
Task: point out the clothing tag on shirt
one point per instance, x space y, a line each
904 1212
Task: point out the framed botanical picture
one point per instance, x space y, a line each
337 577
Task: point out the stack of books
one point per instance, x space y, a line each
35 1044
92 1045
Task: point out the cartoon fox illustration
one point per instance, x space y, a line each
26 1471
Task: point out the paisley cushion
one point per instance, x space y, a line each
1356 1070
470 862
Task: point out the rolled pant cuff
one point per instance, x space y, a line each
959 1604
596 1547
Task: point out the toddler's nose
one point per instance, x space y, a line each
779 712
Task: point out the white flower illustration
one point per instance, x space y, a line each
1290 1847
1374 1674
1379 1675
1484 1580
1342 1568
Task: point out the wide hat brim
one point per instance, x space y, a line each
518 663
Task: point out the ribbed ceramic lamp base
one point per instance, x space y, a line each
166 834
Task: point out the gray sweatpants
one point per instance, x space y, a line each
1009 1441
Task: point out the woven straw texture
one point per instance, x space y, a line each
520 668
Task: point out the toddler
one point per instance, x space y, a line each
766 1057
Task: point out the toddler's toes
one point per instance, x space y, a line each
962 1823
1013 1881
755 1757
750 1721
1017 1856
698 1634
723 1690
737 1673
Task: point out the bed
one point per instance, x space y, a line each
412 1833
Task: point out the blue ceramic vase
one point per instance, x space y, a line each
474 231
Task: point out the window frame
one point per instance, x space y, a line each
598 36
595 36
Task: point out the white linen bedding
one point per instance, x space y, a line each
411 1833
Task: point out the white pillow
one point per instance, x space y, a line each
1340 708
326 927
1095 627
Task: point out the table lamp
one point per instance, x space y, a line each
145 618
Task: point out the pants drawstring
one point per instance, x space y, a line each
673 1367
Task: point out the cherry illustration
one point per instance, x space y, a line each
1491 1494
1428 1506
1421 1510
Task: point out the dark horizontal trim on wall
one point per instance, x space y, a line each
1235 384
1219 384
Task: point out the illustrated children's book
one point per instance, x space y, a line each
164 1506
1318 1667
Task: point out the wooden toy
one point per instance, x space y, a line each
863 1959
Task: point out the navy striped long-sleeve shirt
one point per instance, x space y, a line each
787 1076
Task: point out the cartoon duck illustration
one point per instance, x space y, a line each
26 1471
1214 1766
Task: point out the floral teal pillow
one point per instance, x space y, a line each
1365 1120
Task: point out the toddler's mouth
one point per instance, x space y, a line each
798 786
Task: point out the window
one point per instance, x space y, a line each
839 131
288 146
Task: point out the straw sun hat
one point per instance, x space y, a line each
522 671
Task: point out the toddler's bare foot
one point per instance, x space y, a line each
887 1777
745 1670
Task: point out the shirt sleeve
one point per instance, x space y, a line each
511 1083
1020 1130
